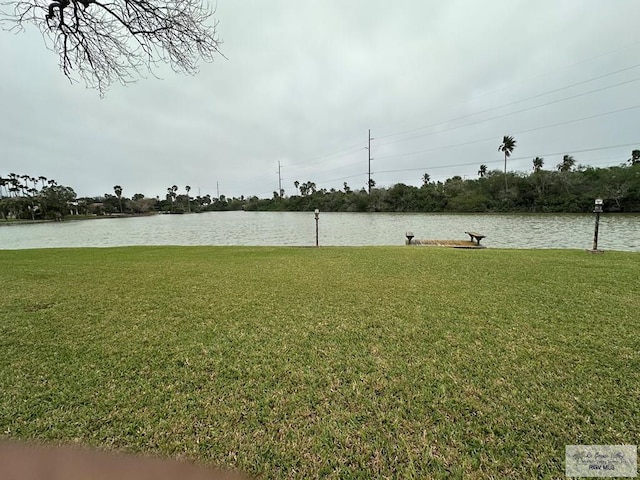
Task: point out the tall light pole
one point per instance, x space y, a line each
597 210
317 214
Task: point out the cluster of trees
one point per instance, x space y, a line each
567 188
34 198
139 204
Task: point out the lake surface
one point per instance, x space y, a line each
617 232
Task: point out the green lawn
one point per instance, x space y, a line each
388 362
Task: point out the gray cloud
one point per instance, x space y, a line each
306 79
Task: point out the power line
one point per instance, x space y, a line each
580 62
511 158
436 167
528 80
595 149
324 182
578 119
341 152
488 139
609 163
515 112
345 151
336 154
515 133
508 104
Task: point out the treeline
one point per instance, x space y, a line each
562 190
34 198
566 189
175 201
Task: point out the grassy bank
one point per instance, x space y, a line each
331 362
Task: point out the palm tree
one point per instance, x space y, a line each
27 179
42 180
538 162
188 189
311 187
567 163
15 188
32 206
18 185
507 146
425 179
118 191
483 170
635 158
296 184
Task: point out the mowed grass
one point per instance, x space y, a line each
386 362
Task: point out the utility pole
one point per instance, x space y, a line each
218 190
279 180
369 149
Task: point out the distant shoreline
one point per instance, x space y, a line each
74 218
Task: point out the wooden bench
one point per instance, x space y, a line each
476 236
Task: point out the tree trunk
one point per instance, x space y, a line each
506 186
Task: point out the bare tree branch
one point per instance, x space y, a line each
106 41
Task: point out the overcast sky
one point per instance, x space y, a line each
438 84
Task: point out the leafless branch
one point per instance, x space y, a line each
106 41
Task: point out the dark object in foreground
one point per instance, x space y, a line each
29 462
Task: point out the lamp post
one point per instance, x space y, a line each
317 214
597 210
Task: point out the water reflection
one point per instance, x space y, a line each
617 232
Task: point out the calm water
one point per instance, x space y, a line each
617 232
